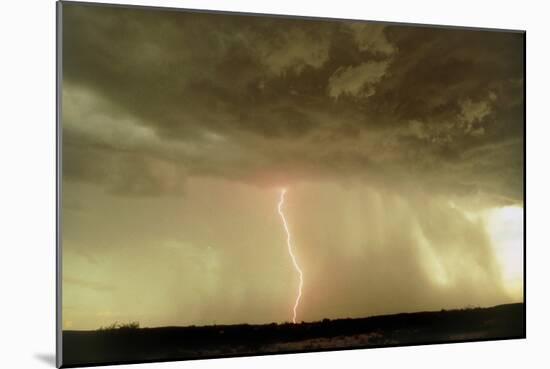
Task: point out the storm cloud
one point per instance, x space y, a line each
393 138
393 97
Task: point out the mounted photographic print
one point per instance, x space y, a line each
235 184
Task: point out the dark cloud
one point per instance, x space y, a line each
403 99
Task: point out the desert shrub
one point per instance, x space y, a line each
116 325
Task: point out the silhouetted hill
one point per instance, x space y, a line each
180 343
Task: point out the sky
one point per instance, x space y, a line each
401 149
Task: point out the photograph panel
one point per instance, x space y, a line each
244 184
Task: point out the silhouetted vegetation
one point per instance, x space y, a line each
123 326
128 343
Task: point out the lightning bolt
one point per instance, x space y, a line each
289 245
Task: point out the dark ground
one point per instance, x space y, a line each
179 343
